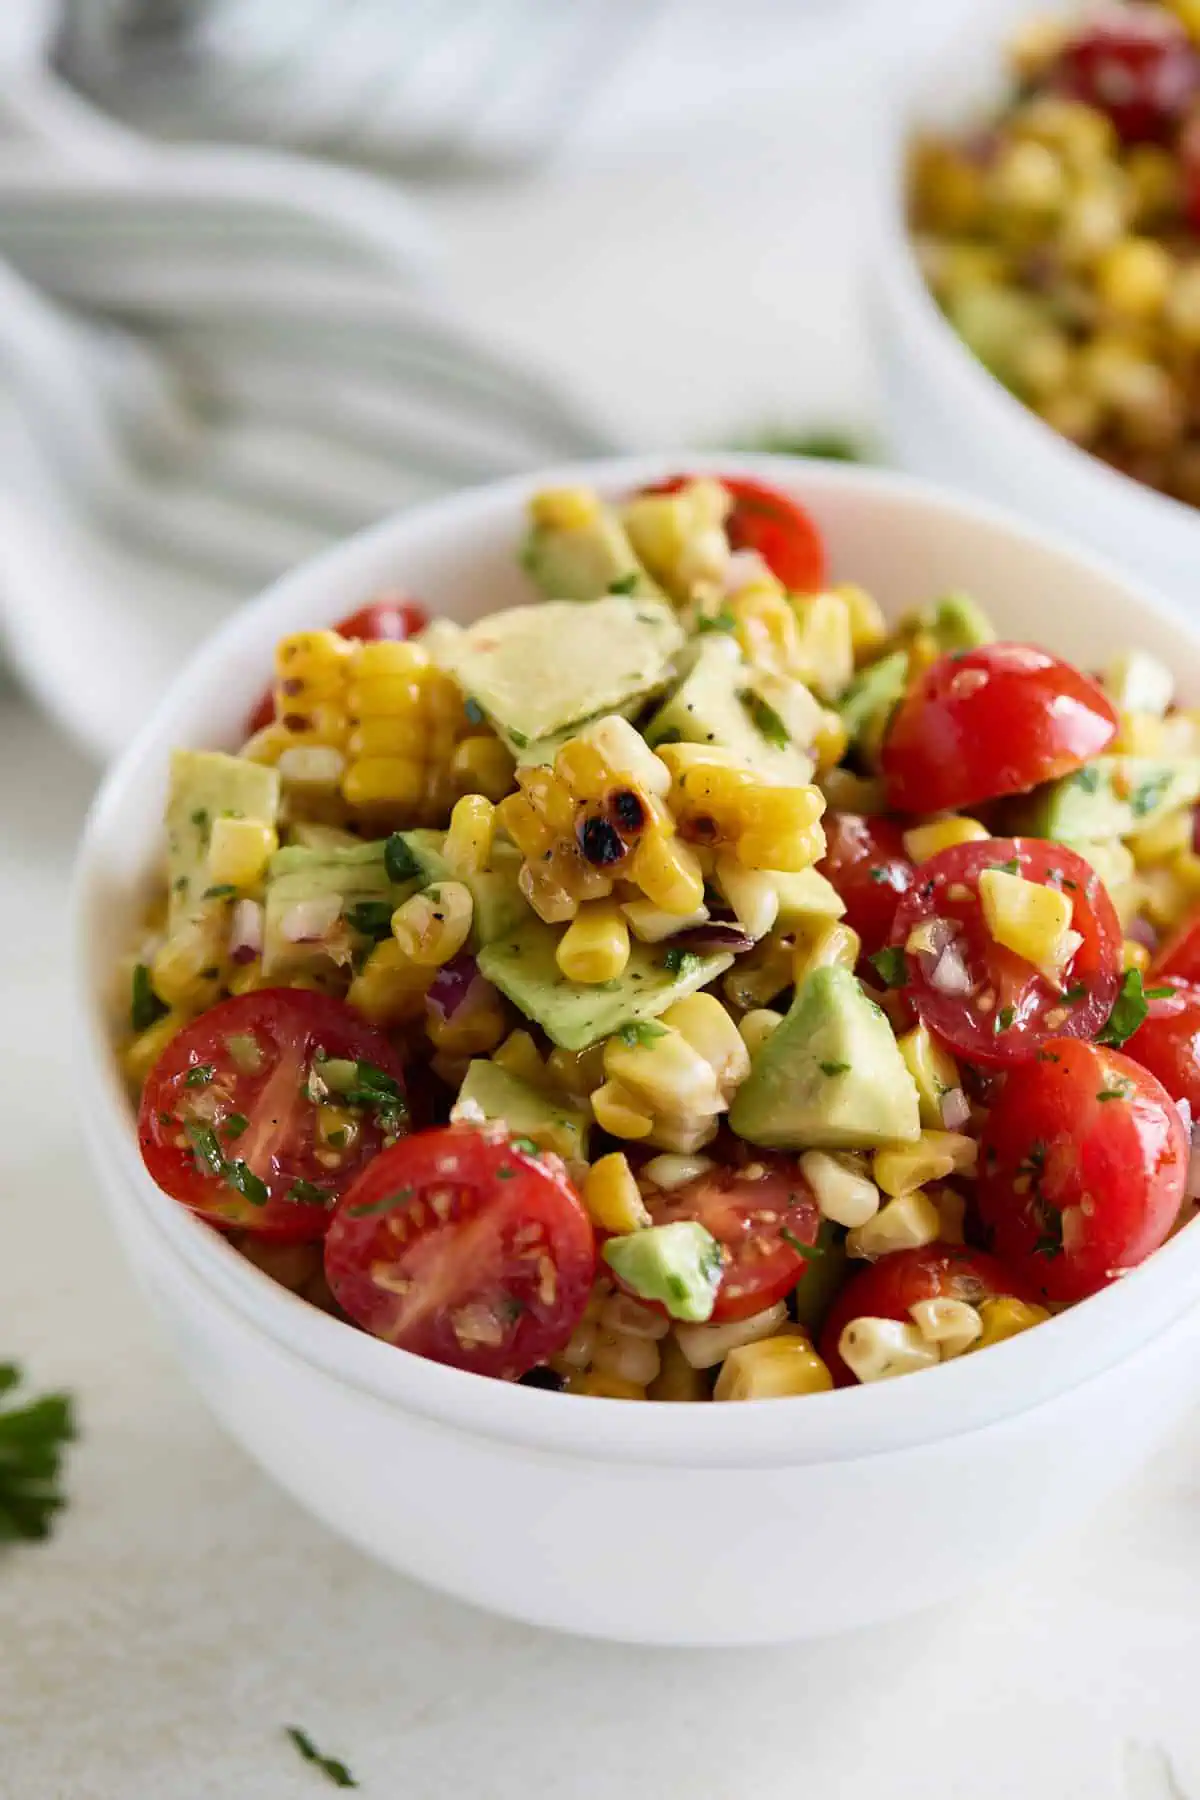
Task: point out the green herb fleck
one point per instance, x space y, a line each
519 739
806 1250
1076 993
241 1177
1146 797
401 1197
1011 867
640 1031
625 584
765 719
1087 780
222 891
1129 1011
526 1146
371 918
200 1075
1004 1019
209 1155
891 966
833 1068
670 736
718 621
1162 993
398 859
234 1124
200 818
308 1194
32 1440
473 710
333 1770
145 1007
505 1172
681 962
1121 1091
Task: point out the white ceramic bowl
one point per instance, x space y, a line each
673 1524
947 418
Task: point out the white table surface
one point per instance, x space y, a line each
185 1611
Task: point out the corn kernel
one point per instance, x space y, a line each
703 1023
843 1194
140 1055
757 1026
677 1381
706 1345
952 1213
952 1326
669 874
1167 838
934 1071
518 1055
605 1387
924 841
238 851
868 627
650 925
908 1222
390 989
1029 919
667 1075
1004 1317
879 1349
468 843
595 946
669 1171
612 1196
772 1368
432 926
1134 956
482 765
751 893
621 1113
824 656
577 1072
564 509
832 945
1134 276
900 1168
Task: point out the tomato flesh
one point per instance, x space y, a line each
392 619
865 860
463 1247
1135 63
1168 1043
1180 955
889 1288
989 1004
762 1216
229 1121
1082 1168
992 721
772 523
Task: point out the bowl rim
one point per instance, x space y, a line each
953 1399
898 276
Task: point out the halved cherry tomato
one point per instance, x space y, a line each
989 1004
1135 63
761 1221
1082 1168
888 1288
229 1118
766 520
864 859
992 721
1180 955
392 619
1168 1044
461 1247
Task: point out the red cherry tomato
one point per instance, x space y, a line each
1082 1168
992 721
759 1222
887 1289
1180 955
986 1002
772 523
1135 63
1168 1044
228 1121
391 619
865 861
460 1247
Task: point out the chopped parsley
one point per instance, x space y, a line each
765 719
833 1068
519 738
145 1007
233 1125
718 621
308 1193
222 891
1074 994
625 584
401 1197
211 1159
473 710
1011 867
1004 1018
789 1237
526 1146
374 1090
240 1176
1087 780
200 1076
640 1031
891 966
32 1439
372 918
398 859
1146 796
200 818
334 1771
1129 1010
681 962
1120 1091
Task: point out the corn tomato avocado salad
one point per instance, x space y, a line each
684 985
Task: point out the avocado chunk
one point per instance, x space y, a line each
1111 796
1135 681
823 1276
535 669
958 623
550 1124
831 1077
1109 857
805 894
768 722
207 785
358 878
573 1014
586 561
874 690
680 1265
499 904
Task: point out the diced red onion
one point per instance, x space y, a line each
1141 931
245 931
743 567
949 974
451 985
955 1109
714 936
930 937
1184 1109
310 921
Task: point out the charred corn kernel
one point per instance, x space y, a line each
625 1357
933 1069
705 1346
433 925
868 627
845 791
757 1027
481 765
467 848
669 874
565 509
751 893
824 655
595 946
311 670
762 973
702 1022
605 1387
1167 838
908 1222
772 1369
1134 956
952 1326
612 1196
1029 919
1133 278
900 1168
680 537
1003 1317
650 925
621 1113
843 1193
878 1349
390 988
518 1055
924 841
832 945
830 740
677 1380
667 1075
624 752
238 851
142 1052
667 1172
577 1072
